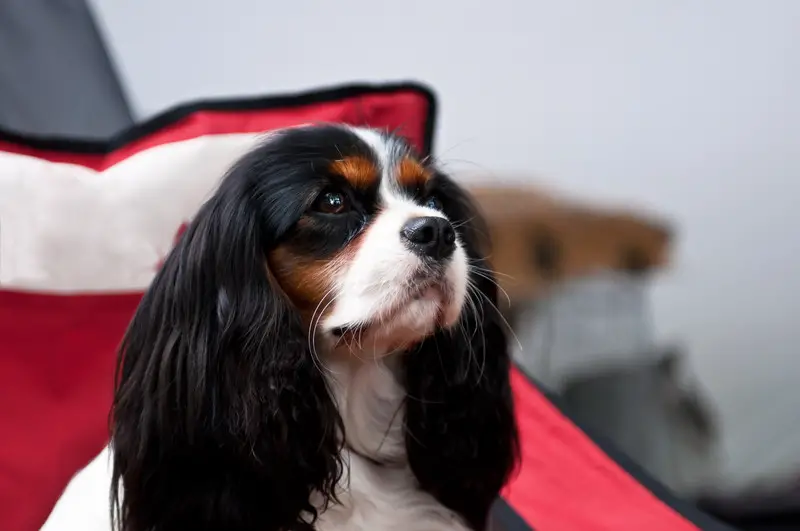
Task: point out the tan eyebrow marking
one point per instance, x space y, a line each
360 172
411 173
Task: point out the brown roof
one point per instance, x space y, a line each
538 236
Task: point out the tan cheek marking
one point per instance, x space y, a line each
411 173
359 171
307 280
304 280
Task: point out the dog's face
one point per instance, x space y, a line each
373 260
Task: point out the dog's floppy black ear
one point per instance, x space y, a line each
461 433
220 419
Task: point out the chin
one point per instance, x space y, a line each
321 350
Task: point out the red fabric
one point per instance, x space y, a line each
406 111
57 351
56 372
567 483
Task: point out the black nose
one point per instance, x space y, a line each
430 236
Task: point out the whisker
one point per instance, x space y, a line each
463 223
503 320
312 336
475 261
500 288
479 318
439 158
490 175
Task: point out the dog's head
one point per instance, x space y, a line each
325 241
365 245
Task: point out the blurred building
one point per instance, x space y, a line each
578 280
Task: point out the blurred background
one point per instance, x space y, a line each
638 161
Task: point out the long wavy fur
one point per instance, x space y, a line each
220 419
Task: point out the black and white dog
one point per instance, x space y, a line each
321 350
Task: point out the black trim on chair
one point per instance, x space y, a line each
770 510
505 518
180 112
686 509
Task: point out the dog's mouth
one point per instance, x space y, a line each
420 289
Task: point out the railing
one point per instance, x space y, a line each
581 324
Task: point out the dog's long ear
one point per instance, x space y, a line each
461 433
220 420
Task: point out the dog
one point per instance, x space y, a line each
321 350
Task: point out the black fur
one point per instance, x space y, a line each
461 434
222 422
220 419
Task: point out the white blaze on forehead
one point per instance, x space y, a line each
388 153
385 149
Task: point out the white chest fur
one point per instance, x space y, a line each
373 496
380 498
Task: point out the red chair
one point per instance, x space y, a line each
57 346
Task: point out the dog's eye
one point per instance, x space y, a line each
433 202
332 202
